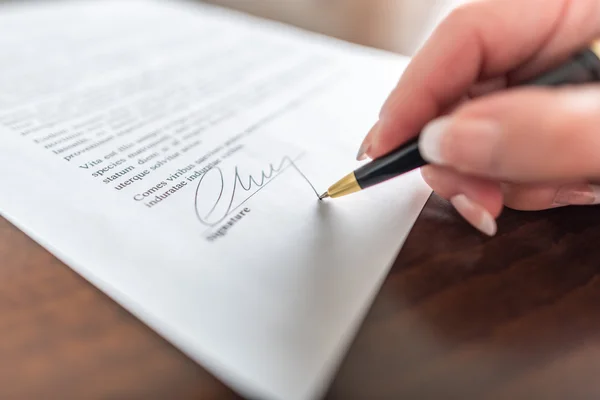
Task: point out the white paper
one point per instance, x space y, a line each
111 115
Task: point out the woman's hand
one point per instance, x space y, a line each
528 148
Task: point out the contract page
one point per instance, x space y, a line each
172 154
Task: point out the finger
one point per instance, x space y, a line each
478 201
448 183
571 34
480 40
527 135
365 147
546 196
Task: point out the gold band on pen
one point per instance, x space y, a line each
343 187
595 47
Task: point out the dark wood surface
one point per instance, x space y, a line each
460 316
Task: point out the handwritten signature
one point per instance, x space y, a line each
213 205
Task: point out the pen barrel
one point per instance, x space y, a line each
400 161
584 67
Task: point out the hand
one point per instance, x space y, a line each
526 148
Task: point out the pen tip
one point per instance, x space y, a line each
324 196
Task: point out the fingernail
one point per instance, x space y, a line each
475 214
577 195
366 144
429 175
426 173
468 142
430 141
362 151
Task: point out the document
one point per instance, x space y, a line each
172 154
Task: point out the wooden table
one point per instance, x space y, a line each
459 317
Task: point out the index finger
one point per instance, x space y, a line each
479 41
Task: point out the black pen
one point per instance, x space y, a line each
583 67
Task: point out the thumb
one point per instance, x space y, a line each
524 135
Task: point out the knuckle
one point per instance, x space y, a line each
461 14
469 14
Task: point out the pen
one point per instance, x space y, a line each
583 67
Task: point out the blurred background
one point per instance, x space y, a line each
400 26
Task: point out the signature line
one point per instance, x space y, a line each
259 187
292 164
